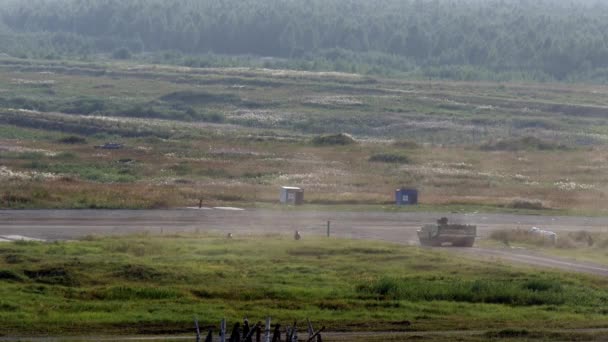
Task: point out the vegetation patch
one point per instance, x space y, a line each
333 281
524 293
522 203
390 158
138 273
96 173
10 275
334 139
53 275
135 293
72 140
508 333
522 144
406 144
200 98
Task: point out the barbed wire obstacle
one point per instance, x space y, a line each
259 332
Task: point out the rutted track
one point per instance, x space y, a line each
394 227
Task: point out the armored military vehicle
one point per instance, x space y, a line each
444 234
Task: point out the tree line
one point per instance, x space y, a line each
535 39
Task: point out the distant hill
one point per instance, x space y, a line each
540 40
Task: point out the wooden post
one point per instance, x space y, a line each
328 228
198 331
209 336
316 336
267 330
276 336
311 331
235 336
245 327
249 336
258 332
288 334
223 330
294 334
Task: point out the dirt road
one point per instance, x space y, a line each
329 336
393 227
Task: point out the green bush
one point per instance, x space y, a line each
522 144
8 275
333 139
533 292
73 139
122 53
526 204
408 144
135 293
53 275
389 158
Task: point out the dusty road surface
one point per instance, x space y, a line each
393 227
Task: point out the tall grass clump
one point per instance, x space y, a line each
520 292
333 139
522 144
135 293
407 144
72 140
389 158
522 203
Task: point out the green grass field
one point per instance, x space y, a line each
155 284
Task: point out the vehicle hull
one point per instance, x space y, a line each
444 234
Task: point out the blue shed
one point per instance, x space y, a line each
406 196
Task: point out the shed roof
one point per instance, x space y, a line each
290 188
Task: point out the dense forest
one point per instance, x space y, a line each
542 40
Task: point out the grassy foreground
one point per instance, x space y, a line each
155 284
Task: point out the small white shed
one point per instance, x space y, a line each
292 195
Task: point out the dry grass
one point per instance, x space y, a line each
268 140
224 169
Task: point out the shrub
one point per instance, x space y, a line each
334 139
134 293
522 143
9 275
542 285
507 333
122 53
389 158
73 139
530 292
138 273
582 236
522 203
53 275
409 144
83 106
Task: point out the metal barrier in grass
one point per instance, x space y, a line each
259 332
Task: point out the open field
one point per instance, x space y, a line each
151 284
235 135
